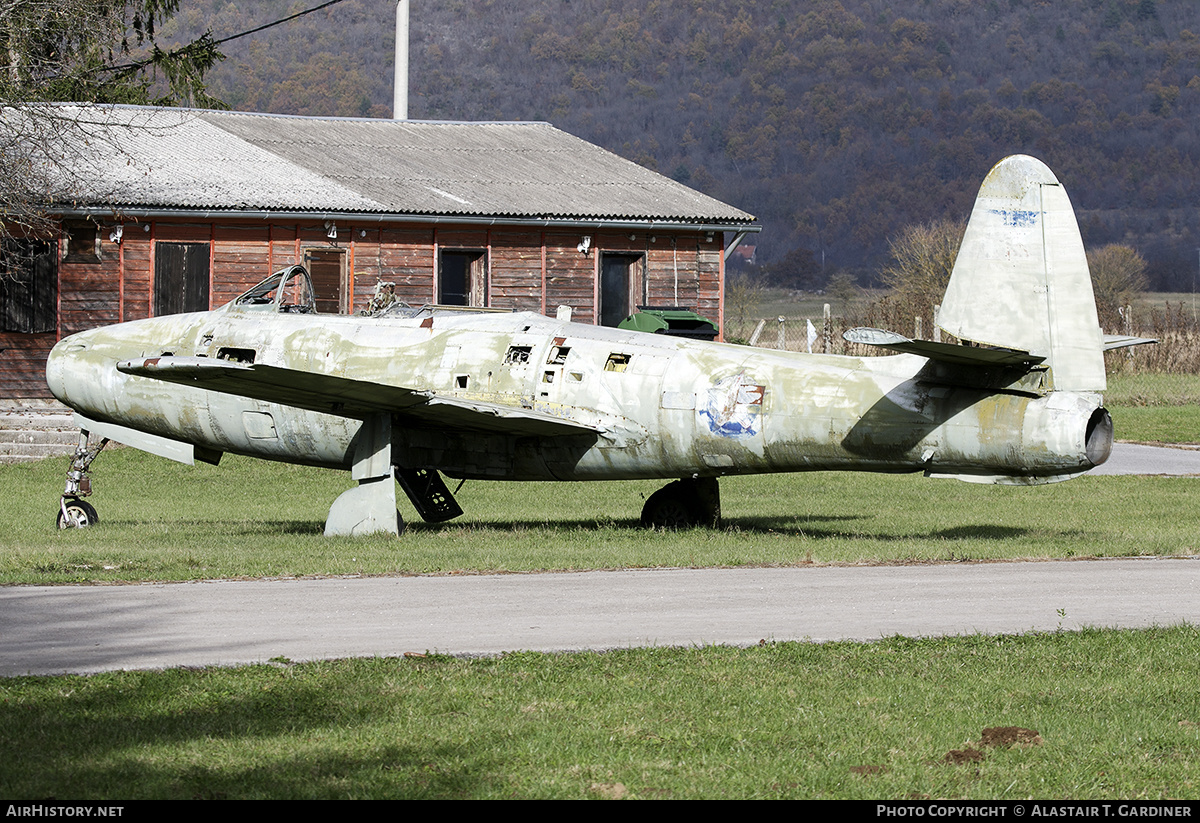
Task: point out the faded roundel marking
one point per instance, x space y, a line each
732 408
1020 218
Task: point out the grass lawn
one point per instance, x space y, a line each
1117 715
164 521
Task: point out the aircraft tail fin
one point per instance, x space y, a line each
1021 278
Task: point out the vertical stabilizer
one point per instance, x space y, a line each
1021 278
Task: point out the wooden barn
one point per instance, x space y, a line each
167 210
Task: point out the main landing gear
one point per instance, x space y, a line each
73 511
684 504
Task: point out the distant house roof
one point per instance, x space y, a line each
145 160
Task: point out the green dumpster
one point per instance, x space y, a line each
677 321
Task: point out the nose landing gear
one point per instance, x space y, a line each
73 511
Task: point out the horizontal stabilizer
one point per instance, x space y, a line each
1120 341
346 397
943 352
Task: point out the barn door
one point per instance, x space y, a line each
330 279
620 286
180 278
462 278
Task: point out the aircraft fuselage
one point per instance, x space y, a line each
654 406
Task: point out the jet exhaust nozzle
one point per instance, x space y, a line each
1098 439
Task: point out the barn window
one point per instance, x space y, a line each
180 277
28 286
82 243
462 278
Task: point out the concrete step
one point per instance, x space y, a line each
52 422
47 448
38 437
18 452
35 430
40 454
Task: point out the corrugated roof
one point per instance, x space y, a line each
159 158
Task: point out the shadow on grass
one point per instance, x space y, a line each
815 528
236 527
981 532
292 733
811 527
763 525
819 528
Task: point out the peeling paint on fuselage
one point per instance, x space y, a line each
671 408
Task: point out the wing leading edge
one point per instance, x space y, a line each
348 397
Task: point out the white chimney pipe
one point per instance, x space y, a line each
400 83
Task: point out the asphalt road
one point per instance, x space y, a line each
95 628
1130 458
55 629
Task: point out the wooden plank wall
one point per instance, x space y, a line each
136 264
406 259
529 270
23 365
283 248
570 276
364 263
516 270
240 258
88 293
687 274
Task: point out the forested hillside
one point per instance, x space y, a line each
836 123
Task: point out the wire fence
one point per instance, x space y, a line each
824 334
1162 373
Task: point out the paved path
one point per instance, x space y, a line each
1130 458
47 630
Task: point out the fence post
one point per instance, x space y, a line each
937 330
917 330
757 331
1128 330
782 337
827 332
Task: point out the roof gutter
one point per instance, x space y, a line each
593 224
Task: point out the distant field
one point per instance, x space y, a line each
1187 301
776 302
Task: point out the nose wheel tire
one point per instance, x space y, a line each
76 514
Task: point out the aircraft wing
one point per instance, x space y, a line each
348 397
945 352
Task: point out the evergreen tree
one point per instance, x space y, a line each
99 51
86 51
